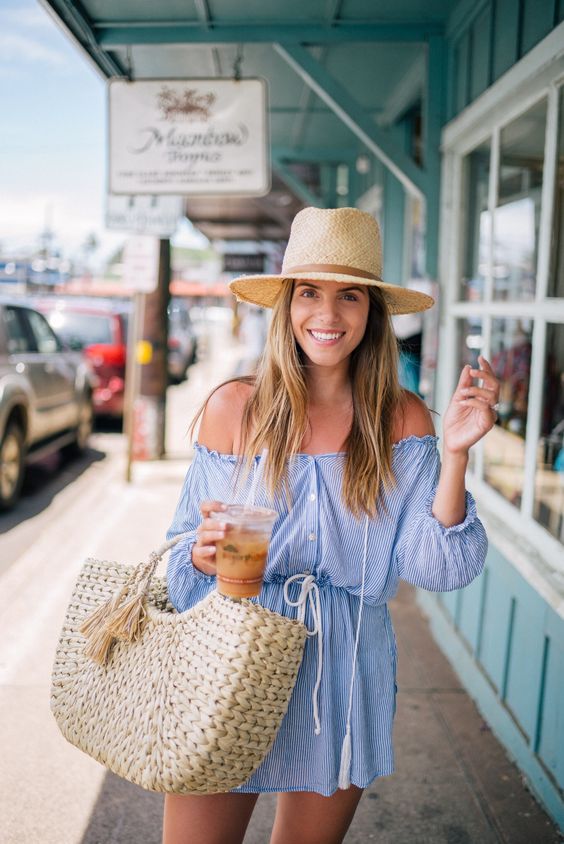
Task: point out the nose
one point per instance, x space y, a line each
329 311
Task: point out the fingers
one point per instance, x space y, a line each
483 393
465 378
481 405
207 507
485 373
208 533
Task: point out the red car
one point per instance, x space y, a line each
99 330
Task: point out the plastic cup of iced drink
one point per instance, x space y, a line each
241 555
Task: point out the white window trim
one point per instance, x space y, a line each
533 550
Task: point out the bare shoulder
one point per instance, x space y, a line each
413 418
221 420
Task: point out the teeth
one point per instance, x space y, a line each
322 335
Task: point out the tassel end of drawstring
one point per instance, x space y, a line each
345 768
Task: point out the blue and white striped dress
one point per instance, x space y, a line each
318 536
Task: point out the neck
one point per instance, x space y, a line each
328 386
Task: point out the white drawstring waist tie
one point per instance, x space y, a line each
309 592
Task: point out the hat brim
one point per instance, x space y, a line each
264 290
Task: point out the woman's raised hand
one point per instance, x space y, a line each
209 531
472 409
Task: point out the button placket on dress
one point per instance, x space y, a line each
312 519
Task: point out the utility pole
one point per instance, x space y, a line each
154 372
147 270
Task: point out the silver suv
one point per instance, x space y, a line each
45 395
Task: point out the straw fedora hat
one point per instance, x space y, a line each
331 244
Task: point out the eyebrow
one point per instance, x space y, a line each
359 289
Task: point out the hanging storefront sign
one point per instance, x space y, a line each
153 215
188 137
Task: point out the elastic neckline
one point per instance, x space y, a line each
426 439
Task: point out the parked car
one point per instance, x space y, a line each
182 341
97 328
45 395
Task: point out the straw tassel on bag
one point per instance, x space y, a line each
116 618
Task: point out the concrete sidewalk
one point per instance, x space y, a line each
453 784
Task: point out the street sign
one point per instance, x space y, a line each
141 263
152 215
189 137
240 263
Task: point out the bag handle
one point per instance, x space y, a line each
146 570
123 615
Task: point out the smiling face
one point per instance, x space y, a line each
328 319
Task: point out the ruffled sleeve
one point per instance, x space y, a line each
428 554
209 477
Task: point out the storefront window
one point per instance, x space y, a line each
556 277
517 215
549 485
504 447
477 246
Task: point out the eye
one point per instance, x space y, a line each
307 292
350 297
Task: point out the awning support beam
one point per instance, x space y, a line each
295 184
352 114
112 35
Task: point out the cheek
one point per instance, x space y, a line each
361 323
296 315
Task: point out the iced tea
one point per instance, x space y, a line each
241 555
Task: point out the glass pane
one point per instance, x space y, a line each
18 341
549 486
517 216
80 330
556 276
477 241
45 339
504 447
470 342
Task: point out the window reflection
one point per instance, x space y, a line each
504 447
556 277
549 485
477 247
517 216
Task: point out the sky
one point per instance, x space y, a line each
52 138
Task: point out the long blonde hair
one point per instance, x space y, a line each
276 413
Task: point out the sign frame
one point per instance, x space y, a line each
196 103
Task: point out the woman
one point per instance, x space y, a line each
354 474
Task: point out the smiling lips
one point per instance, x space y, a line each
327 338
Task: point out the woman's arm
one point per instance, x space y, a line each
219 430
469 416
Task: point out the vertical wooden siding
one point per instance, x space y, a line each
492 40
514 642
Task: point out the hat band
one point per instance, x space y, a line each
331 268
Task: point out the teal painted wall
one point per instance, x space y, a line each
393 225
490 38
507 645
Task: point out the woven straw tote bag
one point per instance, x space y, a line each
175 702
